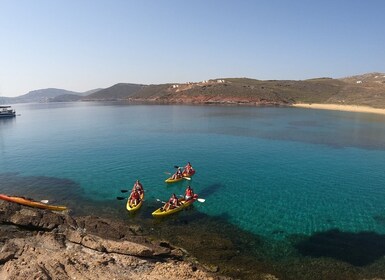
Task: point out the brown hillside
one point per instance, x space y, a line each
368 89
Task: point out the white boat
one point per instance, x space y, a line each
7 112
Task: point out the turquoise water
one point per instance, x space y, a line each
273 172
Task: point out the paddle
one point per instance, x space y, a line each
166 203
168 173
176 166
123 198
199 199
45 201
124 191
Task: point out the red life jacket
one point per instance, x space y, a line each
135 195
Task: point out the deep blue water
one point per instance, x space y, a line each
273 172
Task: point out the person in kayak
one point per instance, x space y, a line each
134 198
138 186
178 174
188 169
189 193
173 202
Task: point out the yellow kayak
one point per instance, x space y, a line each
171 180
183 204
185 176
31 203
133 208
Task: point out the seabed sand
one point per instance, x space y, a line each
337 107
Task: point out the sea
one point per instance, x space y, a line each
290 192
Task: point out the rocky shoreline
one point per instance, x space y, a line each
40 244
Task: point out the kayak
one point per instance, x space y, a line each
32 203
185 175
183 204
133 208
171 180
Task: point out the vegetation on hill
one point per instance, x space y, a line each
66 98
116 92
368 89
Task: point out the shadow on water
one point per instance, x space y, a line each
358 249
225 248
58 191
380 219
64 192
38 186
210 190
217 244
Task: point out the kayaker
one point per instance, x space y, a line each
135 198
178 174
188 169
189 193
138 186
173 202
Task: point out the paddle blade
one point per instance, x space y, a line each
124 191
120 198
187 178
201 200
176 166
44 201
168 173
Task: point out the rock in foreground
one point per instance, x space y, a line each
39 244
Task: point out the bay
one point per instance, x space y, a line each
286 176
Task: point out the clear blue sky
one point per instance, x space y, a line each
85 44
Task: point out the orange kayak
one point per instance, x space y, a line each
31 203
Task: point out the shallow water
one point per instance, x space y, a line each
285 183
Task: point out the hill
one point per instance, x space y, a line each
68 97
47 95
116 92
65 98
40 95
367 89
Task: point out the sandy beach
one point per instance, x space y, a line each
337 107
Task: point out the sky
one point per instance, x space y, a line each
80 45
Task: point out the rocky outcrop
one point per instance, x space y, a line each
39 244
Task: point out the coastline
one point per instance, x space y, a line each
338 107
